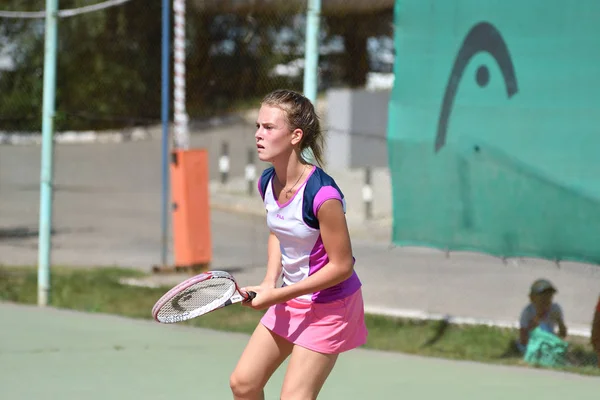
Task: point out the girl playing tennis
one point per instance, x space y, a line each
318 311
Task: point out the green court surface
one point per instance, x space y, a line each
55 354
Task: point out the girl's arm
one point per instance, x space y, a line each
273 261
336 240
558 316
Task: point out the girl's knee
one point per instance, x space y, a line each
243 387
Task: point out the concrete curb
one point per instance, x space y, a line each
79 137
151 132
574 330
579 330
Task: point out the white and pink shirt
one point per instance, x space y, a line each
296 226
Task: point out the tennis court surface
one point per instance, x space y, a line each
57 354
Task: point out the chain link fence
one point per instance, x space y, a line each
108 197
109 61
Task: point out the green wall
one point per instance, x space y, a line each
494 127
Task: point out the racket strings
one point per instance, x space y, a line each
199 298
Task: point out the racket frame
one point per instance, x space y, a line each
237 296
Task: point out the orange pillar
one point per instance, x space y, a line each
191 209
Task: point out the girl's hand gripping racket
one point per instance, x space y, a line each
197 296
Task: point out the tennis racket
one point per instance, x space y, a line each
197 296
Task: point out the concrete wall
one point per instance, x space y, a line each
356 128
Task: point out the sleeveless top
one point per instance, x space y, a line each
296 226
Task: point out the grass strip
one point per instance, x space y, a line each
99 290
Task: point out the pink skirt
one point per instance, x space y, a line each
328 328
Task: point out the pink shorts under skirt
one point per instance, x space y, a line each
329 328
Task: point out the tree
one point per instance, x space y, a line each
109 61
108 68
230 57
355 29
21 87
353 20
328 7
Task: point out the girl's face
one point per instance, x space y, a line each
273 136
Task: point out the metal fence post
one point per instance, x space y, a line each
47 162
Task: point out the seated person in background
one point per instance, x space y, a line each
596 332
542 312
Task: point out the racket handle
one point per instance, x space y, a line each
251 295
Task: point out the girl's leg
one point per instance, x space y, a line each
263 354
306 373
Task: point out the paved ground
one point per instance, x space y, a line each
57 355
107 212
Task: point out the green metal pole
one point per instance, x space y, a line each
311 50
311 57
45 223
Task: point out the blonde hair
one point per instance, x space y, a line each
300 114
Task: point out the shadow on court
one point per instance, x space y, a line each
57 354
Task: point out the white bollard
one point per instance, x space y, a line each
250 172
367 194
224 162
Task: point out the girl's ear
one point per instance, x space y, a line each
297 136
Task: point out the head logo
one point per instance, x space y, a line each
482 37
182 298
